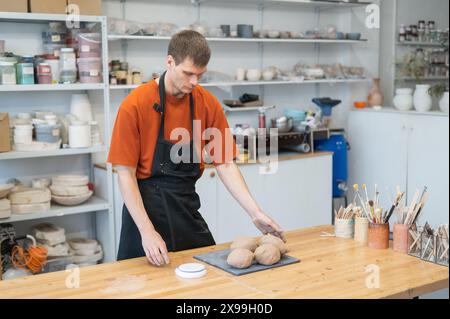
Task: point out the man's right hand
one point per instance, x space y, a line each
155 248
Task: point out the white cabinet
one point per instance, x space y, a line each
208 186
406 149
428 162
298 194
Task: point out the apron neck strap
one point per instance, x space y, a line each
162 97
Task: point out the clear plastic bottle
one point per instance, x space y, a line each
95 134
67 66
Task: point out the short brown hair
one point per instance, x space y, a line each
190 44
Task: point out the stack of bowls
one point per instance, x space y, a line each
70 190
297 116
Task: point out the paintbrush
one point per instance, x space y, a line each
424 200
363 205
394 206
364 186
412 207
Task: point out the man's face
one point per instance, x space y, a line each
185 76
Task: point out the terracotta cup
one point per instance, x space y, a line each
378 236
401 238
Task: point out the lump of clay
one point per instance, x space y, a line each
248 243
240 258
267 254
270 239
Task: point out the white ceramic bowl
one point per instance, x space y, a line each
254 75
72 200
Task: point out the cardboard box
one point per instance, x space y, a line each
88 7
14 6
48 6
5 138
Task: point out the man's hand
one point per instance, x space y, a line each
267 225
154 247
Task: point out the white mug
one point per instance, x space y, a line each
240 74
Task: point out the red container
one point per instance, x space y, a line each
378 236
44 73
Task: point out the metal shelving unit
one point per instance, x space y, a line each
258 83
53 153
52 87
240 40
101 206
94 204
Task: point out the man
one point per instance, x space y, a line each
161 205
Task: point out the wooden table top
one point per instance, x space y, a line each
329 268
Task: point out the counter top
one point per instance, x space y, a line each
329 268
391 110
283 156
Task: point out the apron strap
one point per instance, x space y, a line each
162 97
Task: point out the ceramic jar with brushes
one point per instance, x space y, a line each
344 222
361 230
378 236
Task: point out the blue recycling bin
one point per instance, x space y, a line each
337 144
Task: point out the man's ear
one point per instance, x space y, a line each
170 62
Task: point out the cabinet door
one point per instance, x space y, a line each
232 219
428 158
299 193
378 152
207 190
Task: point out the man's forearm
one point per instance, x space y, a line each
234 181
133 199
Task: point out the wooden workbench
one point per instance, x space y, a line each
329 268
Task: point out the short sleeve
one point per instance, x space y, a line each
125 141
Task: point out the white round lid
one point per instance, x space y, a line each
191 271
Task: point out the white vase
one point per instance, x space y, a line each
443 103
403 99
422 98
81 108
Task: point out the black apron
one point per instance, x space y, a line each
169 198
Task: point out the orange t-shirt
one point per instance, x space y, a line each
137 126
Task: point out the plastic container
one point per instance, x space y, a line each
8 73
44 73
401 238
53 49
58 264
48 133
80 135
344 228
361 229
89 45
67 66
53 62
90 70
23 134
378 236
52 37
95 134
25 73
